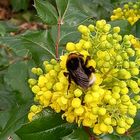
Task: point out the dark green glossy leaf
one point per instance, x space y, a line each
14 137
138 29
116 137
134 131
77 134
110 137
4 116
47 125
14 119
46 11
12 114
7 99
62 7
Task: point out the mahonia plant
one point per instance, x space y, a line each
111 103
130 12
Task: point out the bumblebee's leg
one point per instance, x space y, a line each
69 79
87 59
66 74
91 69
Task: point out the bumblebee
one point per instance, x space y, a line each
78 71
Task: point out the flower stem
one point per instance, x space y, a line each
58 38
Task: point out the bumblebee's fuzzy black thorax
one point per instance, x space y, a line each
72 63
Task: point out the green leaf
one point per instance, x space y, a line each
46 11
38 43
8 26
62 7
69 34
46 126
74 15
18 5
135 129
2 30
7 100
14 119
4 116
77 134
138 29
4 62
16 77
114 136
14 137
95 9
111 137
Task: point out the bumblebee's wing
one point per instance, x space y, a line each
80 78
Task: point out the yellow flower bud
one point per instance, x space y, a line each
102 111
70 46
70 118
77 92
103 127
30 116
48 67
41 81
64 100
87 122
107 121
97 130
34 70
83 29
48 95
58 86
88 98
116 29
87 45
120 130
91 28
32 81
76 102
34 108
79 111
35 89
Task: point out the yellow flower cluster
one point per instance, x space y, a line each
130 12
105 106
